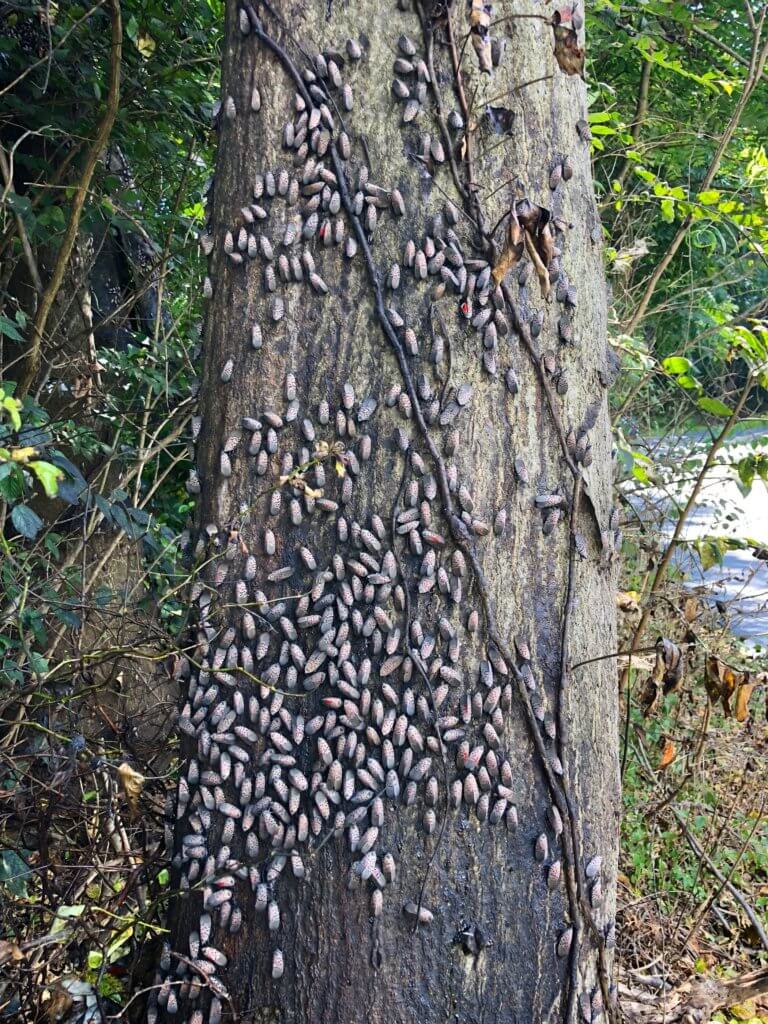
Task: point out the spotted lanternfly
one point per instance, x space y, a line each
553 874
420 913
541 848
230 110
278 964
592 870
564 942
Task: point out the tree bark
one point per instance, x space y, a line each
452 639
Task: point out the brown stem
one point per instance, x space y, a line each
641 112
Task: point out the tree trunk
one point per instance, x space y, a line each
405 559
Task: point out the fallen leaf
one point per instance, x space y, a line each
668 754
132 783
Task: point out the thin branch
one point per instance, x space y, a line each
29 256
34 355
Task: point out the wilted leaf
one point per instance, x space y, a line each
568 53
648 697
690 609
23 454
58 1005
628 601
670 665
743 694
668 754
513 250
145 44
48 475
10 952
132 783
541 271
744 1011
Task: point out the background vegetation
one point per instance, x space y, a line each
101 201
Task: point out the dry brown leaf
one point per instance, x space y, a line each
9 951
670 665
59 1003
484 52
648 697
743 694
568 53
545 243
721 682
691 609
668 754
132 783
627 602
478 16
513 250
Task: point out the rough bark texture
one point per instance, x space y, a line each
491 951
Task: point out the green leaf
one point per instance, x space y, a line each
38 663
714 407
709 197
48 475
668 210
8 328
676 364
13 407
11 481
27 522
13 871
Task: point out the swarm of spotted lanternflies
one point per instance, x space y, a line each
273 778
